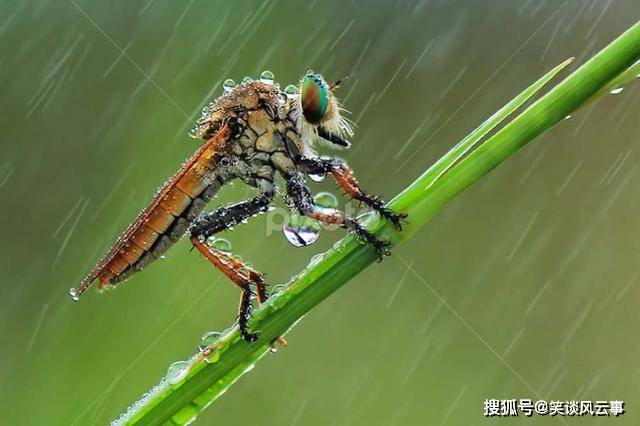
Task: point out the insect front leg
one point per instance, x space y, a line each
226 217
301 197
347 181
239 273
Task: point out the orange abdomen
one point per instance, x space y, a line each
165 220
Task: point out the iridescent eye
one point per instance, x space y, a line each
314 96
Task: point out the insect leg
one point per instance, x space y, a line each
301 197
242 275
226 217
347 181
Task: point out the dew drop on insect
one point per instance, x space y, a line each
300 231
266 77
290 91
177 371
319 177
247 79
244 272
617 90
228 85
219 244
73 292
326 200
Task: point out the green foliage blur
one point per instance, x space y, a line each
525 286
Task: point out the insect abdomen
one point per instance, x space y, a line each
165 219
166 223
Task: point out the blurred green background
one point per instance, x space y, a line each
533 272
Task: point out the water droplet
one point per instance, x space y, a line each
568 117
317 177
290 91
617 90
244 272
247 79
219 244
177 371
73 292
209 339
266 77
326 200
279 288
315 260
228 85
300 231
273 349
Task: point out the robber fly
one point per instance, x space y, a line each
250 132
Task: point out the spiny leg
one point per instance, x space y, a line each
347 181
300 195
242 275
226 217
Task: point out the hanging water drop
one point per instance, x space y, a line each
228 85
617 90
300 231
317 177
266 77
177 371
73 292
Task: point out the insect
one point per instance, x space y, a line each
251 132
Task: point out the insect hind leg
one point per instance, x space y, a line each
240 274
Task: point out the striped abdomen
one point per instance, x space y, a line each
165 220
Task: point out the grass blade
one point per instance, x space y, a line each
465 146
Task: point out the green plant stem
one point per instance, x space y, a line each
179 403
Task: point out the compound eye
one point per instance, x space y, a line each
314 95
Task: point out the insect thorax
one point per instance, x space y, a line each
262 121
